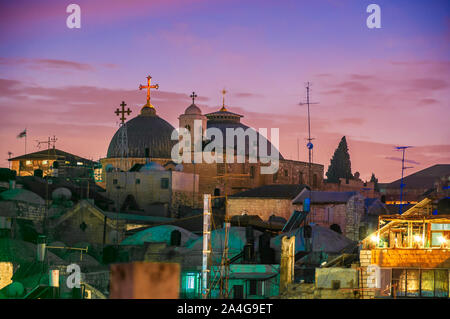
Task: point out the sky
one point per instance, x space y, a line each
380 88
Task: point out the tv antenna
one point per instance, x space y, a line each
403 149
309 145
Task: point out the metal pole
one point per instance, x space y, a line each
206 240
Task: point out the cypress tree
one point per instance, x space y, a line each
340 166
375 181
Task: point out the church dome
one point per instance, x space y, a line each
146 130
193 110
224 119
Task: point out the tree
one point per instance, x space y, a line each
340 166
375 182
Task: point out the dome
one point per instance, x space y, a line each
234 125
146 130
159 234
224 119
193 110
20 194
62 193
152 166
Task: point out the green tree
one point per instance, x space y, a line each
340 166
375 181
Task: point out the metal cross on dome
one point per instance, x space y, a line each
148 87
223 100
193 96
122 112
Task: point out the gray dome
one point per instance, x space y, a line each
193 110
145 131
226 124
62 193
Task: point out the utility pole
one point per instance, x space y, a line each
403 149
50 141
309 145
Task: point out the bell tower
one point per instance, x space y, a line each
187 120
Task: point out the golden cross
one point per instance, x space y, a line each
122 112
223 100
148 87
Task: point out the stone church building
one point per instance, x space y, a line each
149 139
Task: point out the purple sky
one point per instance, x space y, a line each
379 87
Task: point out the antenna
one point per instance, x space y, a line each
403 149
309 145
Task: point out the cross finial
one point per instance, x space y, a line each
193 96
148 87
122 112
223 100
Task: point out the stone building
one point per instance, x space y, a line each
342 210
265 201
53 162
86 223
152 189
150 136
409 256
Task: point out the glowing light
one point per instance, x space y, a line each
417 238
375 239
442 240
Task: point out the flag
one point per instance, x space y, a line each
22 134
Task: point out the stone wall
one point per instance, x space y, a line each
263 207
348 216
290 172
404 257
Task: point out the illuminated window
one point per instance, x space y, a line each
79 163
45 162
190 282
28 162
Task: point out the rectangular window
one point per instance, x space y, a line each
138 181
427 287
441 283
433 283
164 183
190 282
115 181
412 283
